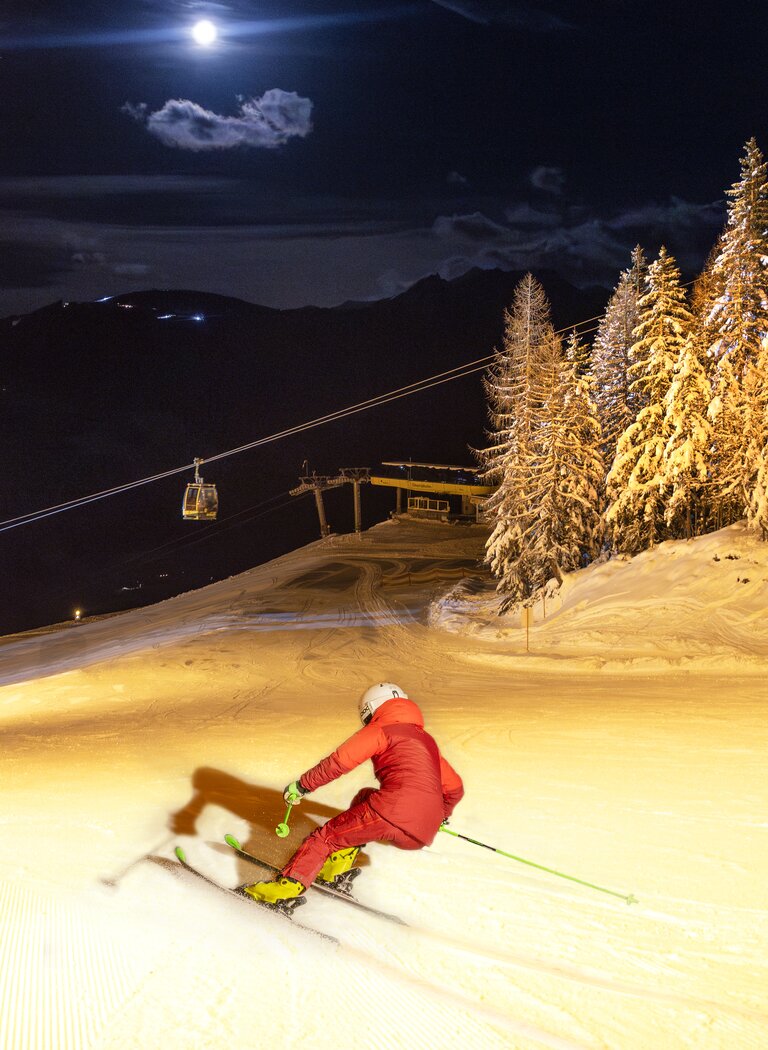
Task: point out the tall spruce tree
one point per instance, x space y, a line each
544 453
705 294
635 483
513 389
726 414
583 463
617 404
567 471
740 269
757 509
738 323
755 471
685 461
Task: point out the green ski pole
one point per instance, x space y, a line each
282 829
629 898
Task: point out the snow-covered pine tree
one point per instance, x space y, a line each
739 323
706 291
758 505
578 355
726 415
544 453
757 508
514 405
616 403
685 462
740 313
550 548
569 469
587 467
636 510
755 401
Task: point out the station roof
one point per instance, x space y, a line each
429 466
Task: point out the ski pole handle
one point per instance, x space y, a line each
282 830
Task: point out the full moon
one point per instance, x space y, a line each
205 33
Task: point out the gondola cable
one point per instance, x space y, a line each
458 372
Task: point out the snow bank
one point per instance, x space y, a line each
700 604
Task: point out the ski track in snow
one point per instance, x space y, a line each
650 784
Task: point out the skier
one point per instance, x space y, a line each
417 791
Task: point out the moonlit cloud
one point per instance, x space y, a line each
474 227
260 123
549 179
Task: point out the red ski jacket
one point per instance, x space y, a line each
418 789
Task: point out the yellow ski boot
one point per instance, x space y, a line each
282 892
339 871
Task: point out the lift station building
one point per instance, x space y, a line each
434 490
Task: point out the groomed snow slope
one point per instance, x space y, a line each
183 721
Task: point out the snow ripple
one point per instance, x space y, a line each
60 980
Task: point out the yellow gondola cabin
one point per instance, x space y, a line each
201 500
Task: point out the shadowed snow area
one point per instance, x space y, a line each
178 723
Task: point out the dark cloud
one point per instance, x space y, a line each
88 258
164 200
134 269
677 213
28 188
260 123
328 252
586 253
549 179
475 227
455 179
524 215
532 16
184 200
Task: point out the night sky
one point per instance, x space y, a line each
322 151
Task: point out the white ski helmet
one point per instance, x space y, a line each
375 696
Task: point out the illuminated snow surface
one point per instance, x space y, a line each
627 748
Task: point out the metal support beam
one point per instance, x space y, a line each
324 530
318 484
357 476
356 488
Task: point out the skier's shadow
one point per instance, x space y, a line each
263 808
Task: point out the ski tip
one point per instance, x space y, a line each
232 841
631 899
181 854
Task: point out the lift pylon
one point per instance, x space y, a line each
318 483
356 476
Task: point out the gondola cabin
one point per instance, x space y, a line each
201 500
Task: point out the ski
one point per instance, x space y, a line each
286 910
327 891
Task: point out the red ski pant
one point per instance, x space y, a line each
358 825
